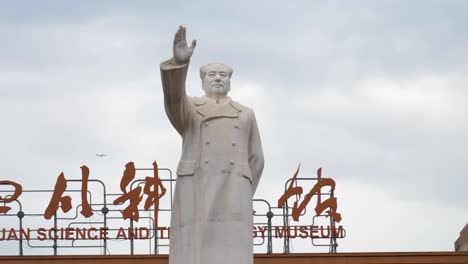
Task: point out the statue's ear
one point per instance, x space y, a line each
203 85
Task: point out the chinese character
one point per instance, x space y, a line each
16 194
131 211
64 202
330 203
153 196
58 199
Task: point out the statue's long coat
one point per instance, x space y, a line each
220 167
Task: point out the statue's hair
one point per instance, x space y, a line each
206 68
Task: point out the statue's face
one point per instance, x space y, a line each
216 81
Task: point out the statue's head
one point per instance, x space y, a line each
216 79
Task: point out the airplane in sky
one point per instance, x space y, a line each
101 155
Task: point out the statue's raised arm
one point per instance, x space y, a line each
173 76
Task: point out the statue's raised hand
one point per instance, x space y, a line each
182 53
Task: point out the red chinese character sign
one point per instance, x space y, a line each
153 196
153 189
150 190
330 203
64 202
17 192
133 196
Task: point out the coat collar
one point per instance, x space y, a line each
208 108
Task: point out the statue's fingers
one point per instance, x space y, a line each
184 33
177 36
194 44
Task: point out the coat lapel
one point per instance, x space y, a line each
209 109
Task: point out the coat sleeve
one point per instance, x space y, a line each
256 160
175 100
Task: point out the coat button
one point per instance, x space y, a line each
233 144
207 142
205 124
231 162
206 161
236 126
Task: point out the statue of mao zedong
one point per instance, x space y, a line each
220 167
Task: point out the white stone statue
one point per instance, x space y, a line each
220 167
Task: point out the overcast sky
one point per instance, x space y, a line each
374 92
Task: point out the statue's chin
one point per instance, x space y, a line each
220 90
